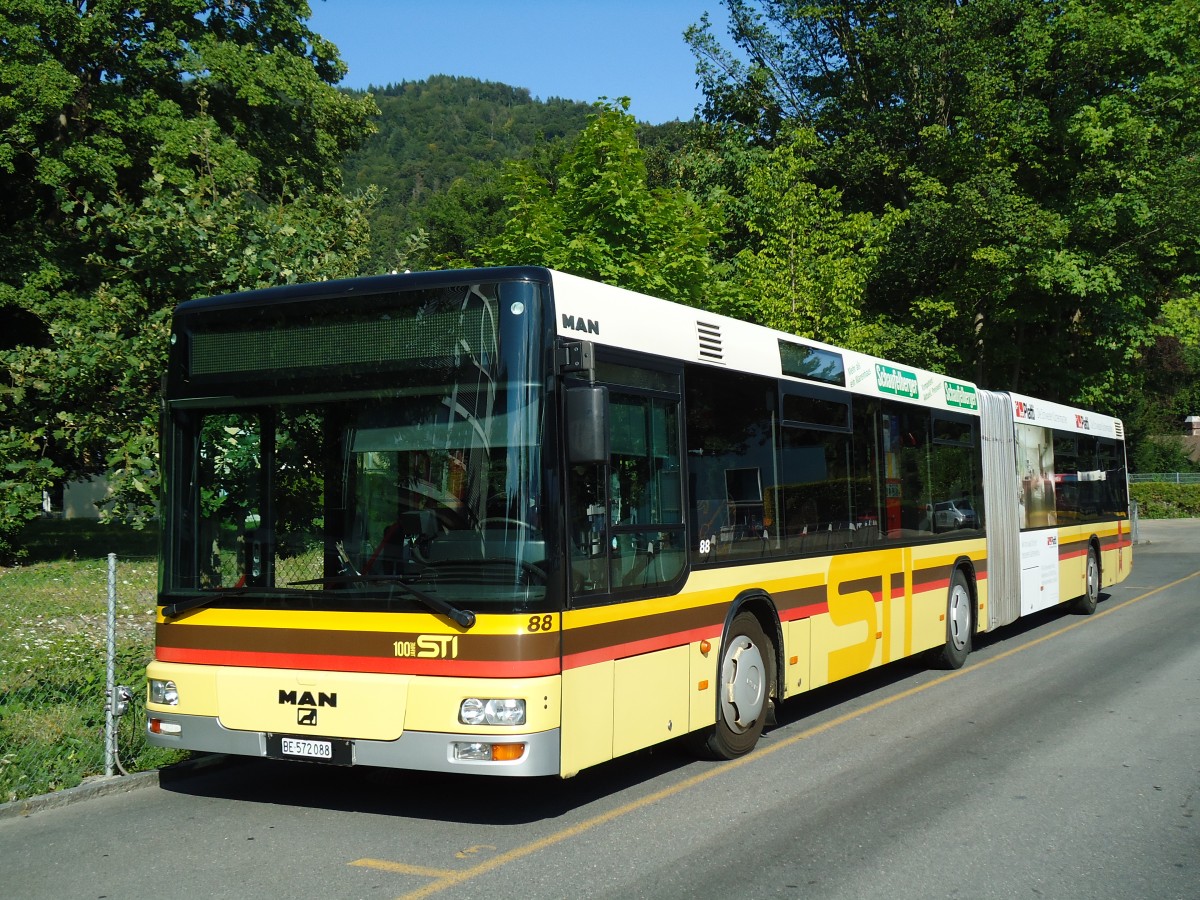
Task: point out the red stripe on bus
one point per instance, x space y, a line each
636 648
376 665
804 612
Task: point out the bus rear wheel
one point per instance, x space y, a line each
1086 604
960 623
744 685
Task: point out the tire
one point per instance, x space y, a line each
745 681
960 623
1086 604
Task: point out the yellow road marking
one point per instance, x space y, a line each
447 879
387 865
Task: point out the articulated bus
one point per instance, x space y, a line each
514 522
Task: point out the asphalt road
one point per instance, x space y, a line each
1062 762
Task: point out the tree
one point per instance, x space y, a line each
436 159
1043 155
595 215
147 156
808 263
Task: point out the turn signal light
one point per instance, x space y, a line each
507 752
482 751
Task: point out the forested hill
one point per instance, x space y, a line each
435 131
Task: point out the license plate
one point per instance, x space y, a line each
311 749
326 750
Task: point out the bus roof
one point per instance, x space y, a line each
616 317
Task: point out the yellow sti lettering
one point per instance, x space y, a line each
437 646
853 604
429 646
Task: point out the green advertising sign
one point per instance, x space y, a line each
896 381
961 395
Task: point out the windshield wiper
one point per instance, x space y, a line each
463 617
171 610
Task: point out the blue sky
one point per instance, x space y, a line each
575 49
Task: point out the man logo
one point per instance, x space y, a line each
306 717
587 326
307 698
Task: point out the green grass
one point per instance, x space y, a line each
53 633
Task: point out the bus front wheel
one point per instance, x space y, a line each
744 684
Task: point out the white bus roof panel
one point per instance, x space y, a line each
1033 411
615 317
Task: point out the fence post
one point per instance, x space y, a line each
110 654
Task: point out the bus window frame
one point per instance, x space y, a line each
608 358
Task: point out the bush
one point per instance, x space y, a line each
1162 500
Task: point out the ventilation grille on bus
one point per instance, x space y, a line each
1120 426
711 347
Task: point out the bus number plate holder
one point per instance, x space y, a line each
309 749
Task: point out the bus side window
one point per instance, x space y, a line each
733 466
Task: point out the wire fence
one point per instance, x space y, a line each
1164 477
71 633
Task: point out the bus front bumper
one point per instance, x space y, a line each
420 750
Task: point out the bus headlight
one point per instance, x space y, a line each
164 692
474 711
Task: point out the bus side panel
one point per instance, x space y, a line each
797 669
851 637
932 569
1116 554
702 710
587 716
650 702
884 606
1073 545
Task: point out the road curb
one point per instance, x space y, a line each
105 785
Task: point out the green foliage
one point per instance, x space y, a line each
24 473
595 215
1042 155
1160 453
809 263
146 158
437 159
1159 500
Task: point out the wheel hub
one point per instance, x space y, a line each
744 677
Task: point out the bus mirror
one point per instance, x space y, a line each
587 424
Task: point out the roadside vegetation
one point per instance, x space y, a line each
1157 500
53 632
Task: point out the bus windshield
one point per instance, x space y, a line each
422 489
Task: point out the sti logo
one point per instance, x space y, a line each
1024 410
1052 541
1081 422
